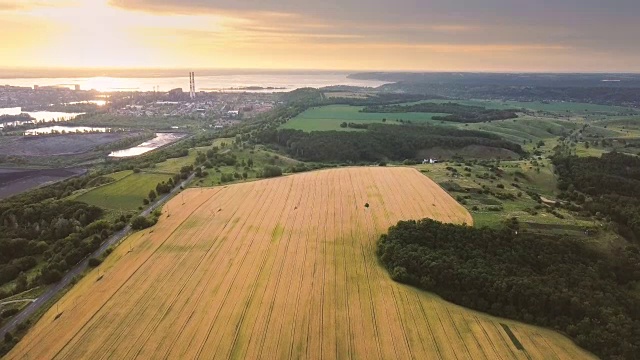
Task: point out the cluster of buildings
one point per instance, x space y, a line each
222 106
41 96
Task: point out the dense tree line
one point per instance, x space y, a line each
606 186
379 99
57 232
11 118
381 142
315 97
41 227
271 171
352 125
557 283
457 112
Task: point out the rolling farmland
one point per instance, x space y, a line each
281 268
326 118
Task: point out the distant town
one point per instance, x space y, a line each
222 109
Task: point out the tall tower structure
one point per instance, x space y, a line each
192 85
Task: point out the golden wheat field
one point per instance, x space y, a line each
278 269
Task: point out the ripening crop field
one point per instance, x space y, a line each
278 269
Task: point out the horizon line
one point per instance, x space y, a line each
350 71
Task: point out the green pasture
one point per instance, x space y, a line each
330 117
124 194
526 128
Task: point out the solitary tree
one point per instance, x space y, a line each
152 195
140 222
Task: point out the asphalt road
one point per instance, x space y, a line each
54 289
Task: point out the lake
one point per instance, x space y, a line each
160 140
281 82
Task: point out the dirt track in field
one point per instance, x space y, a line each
278 269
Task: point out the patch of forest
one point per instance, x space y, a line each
41 227
457 113
608 186
380 142
60 233
553 282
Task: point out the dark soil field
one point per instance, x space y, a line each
57 145
15 181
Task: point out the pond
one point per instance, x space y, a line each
40 116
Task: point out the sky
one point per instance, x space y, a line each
391 35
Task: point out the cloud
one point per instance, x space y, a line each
398 10
584 23
30 4
397 34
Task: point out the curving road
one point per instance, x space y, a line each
54 289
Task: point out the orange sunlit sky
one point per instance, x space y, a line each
435 35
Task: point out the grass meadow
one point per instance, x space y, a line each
330 117
124 194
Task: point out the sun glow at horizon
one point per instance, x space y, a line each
93 34
282 35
